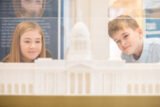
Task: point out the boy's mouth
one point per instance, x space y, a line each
126 48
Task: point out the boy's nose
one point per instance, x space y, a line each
124 43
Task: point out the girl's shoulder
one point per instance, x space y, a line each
6 59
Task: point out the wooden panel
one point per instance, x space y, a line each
79 101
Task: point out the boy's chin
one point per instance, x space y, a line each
128 53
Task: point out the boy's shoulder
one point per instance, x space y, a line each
152 43
152 48
152 40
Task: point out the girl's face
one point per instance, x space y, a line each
31 44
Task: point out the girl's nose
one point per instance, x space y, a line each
32 45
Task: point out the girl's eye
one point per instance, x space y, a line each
27 41
38 41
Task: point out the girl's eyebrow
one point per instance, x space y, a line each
38 38
26 38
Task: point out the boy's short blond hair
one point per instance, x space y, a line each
121 22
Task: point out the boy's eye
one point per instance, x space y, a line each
118 41
125 36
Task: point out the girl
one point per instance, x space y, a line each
27 44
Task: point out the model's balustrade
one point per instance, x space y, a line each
60 77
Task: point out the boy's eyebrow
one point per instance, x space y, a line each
123 33
115 39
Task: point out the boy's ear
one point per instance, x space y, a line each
140 32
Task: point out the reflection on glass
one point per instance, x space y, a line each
29 8
119 7
126 7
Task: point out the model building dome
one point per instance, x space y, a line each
80 47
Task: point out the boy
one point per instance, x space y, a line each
127 34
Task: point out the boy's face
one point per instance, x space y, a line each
128 40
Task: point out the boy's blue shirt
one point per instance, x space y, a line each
150 52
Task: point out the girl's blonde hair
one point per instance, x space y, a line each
15 53
21 12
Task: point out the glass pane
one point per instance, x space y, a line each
44 12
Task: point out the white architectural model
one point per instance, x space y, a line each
62 77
